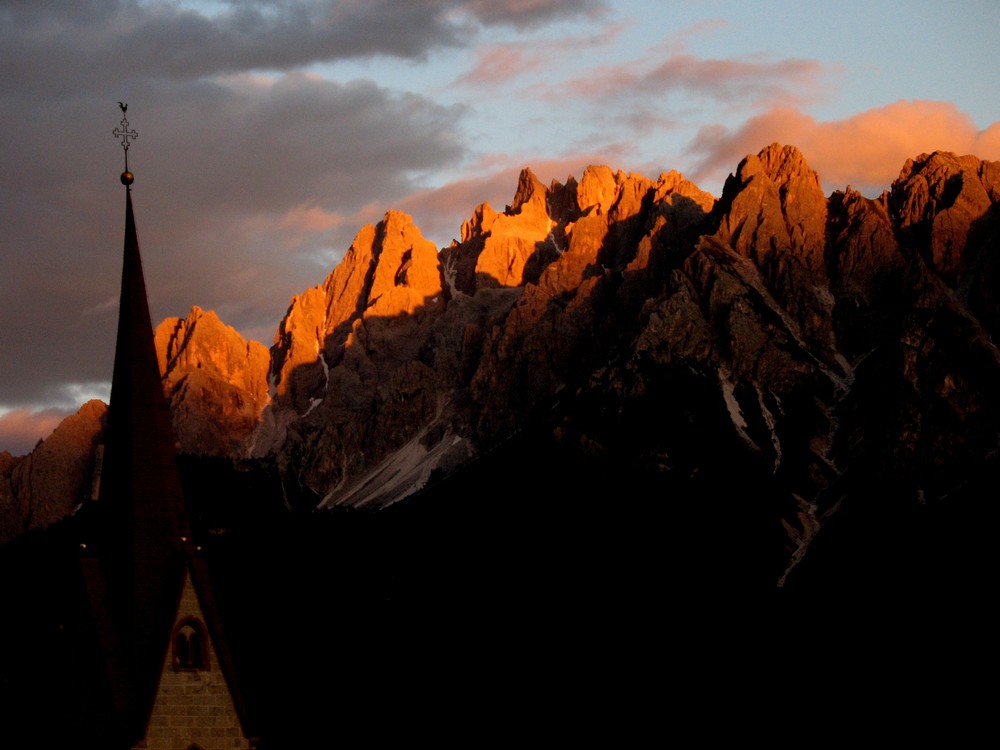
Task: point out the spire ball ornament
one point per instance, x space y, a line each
127 178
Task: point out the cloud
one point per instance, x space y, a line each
309 218
499 63
523 14
751 81
21 429
504 62
988 142
866 150
666 89
48 47
264 146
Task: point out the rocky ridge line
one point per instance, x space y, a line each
815 342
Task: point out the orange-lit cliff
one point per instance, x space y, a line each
801 347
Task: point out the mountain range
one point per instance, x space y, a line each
776 389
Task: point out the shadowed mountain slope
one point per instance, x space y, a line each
746 369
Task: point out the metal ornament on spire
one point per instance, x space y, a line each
124 132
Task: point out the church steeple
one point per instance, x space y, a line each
144 541
141 569
139 478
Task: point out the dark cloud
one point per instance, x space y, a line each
527 13
275 142
50 48
61 46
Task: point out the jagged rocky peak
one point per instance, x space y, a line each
528 208
673 185
562 200
215 381
936 198
774 206
598 188
407 271
480 223
774 213
866 266
351 333
677 213
297 344
60 473
650 329
531 195
862 240
201 341
504 250
515 248
390 270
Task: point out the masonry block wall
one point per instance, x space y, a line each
193 706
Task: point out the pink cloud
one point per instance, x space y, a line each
500 63
496 63
21 429
309 218
751 80
866 150
988 142
758 78
679 40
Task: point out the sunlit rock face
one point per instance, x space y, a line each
504 249
937 198
753 364
215 382
353 370
60 473
941 363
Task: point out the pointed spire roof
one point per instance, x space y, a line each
134 571
139 479
143 541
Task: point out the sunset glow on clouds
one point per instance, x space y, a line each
866 150
270 132
735 83
22 428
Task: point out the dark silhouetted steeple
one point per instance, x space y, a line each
138 551
143 538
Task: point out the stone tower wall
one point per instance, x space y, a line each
194 707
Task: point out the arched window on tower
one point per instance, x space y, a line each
190 645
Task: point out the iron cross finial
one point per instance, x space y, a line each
125 133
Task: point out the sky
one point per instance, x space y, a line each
270 133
